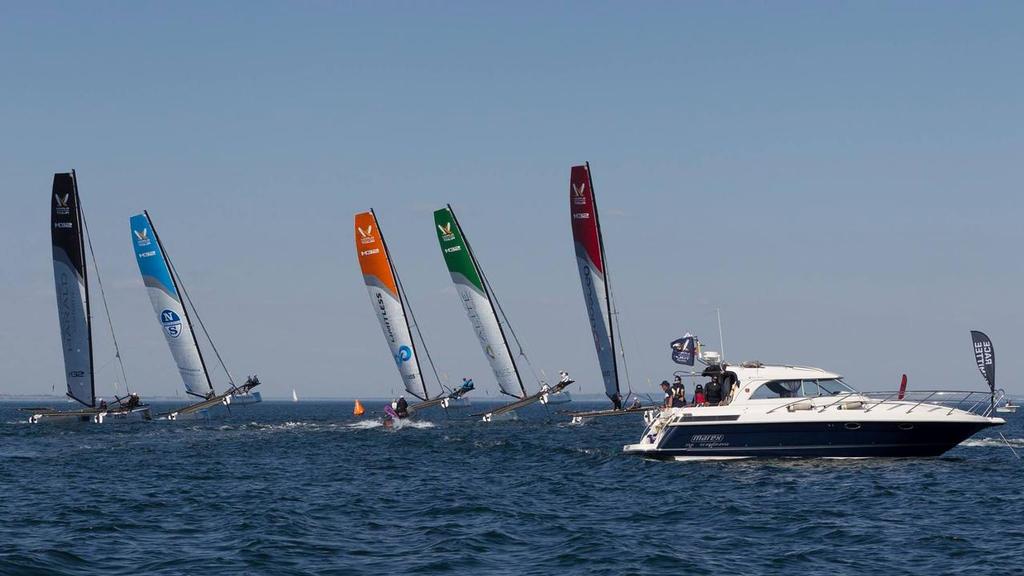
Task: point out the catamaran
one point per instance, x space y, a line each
397 321
482 307
597 293
70 237
169 299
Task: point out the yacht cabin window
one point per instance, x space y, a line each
800 388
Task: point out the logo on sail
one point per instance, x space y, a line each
404 354
446 232
579 193
62 203
142 237
171 322
366 236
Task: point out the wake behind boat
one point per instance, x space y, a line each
172 304
795 411
69 235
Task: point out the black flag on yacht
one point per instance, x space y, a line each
985 356
684 349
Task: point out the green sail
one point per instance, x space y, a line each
477 302
456 253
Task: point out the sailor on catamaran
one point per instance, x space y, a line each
133 401
402 407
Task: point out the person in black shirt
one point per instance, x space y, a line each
678 393
713 392
402 408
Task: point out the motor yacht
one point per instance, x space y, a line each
797 411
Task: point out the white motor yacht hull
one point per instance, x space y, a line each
818 439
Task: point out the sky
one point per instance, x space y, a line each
841 179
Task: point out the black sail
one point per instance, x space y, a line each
72 284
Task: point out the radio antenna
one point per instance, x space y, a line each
721 336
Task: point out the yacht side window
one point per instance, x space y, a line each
811 388
777 389
800 389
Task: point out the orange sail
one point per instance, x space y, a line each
358 410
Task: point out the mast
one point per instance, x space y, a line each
490 301
176 282
85 278
607 278
405 313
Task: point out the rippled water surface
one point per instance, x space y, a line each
283 488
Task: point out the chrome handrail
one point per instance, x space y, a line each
916 398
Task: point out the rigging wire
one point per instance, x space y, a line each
497 303
416 325
199 318
103 296
614 311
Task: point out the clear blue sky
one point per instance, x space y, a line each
843 179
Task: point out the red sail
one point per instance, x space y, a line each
584 217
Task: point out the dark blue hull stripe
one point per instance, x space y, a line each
815 439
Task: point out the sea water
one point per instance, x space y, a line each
306 488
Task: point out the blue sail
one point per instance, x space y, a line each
168 305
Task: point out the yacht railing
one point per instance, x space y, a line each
974 401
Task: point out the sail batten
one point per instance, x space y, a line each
590 259
387 300
169 306
72 286
476 299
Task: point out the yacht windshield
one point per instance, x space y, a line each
801 388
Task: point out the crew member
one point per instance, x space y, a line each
402 407
563 377
698 396
713 392
678 393
617 401
667 403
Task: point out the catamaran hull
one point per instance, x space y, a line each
810 440
137 414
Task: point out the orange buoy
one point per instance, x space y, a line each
358 409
